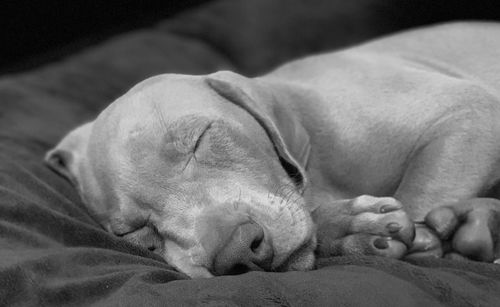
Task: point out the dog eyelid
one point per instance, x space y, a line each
198 141
130 230
192 155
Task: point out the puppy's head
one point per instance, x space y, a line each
207 171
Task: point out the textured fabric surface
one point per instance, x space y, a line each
52 252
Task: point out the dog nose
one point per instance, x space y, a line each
246 250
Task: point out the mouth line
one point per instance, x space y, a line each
241 269
306 250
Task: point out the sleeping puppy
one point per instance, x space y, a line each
335 154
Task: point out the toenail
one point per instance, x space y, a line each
393 227
381 243
388 208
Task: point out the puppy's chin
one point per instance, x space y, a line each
183 262
197 272
301 260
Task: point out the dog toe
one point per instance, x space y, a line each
425 244
474 240
443 220
367 203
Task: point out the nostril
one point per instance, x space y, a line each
256 243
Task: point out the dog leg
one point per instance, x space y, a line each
441 186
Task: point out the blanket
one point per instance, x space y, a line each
53 252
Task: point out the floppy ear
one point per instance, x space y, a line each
65 158
285 130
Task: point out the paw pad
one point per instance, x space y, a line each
381 243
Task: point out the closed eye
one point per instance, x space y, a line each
197 145
198 141
130 227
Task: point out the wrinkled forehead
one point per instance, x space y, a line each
169 110
169 104
162 98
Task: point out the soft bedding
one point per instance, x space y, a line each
53 252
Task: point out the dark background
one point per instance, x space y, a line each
36 32
33 32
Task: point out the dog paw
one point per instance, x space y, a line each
470 229
365 225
